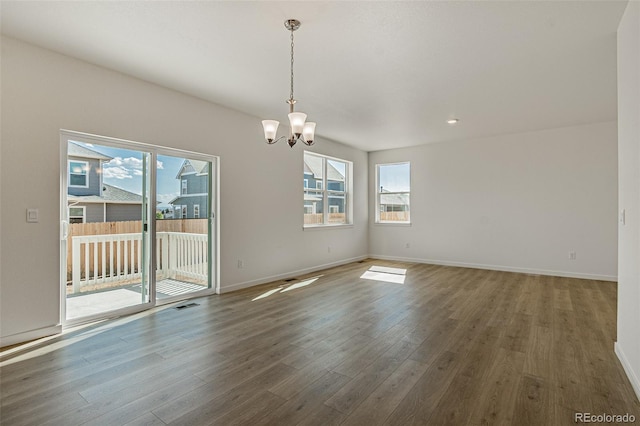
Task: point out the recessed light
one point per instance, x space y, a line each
453 120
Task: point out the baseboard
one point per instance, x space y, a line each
500 268
247 284
633 378
26 336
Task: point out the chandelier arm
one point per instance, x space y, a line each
275 140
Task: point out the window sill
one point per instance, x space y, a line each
392 223
321 227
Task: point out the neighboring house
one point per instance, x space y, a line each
313 180
393 202
89 198
192 203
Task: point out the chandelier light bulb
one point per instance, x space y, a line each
308 132
297 119
270 129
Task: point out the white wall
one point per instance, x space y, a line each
517 202
628 344
43 92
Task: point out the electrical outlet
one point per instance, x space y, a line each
572 255
240 264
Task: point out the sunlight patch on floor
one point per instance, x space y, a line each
266 294
386 274
301 284
282 289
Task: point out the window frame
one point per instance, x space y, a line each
326 193
378 206
184 185
84 214
196 211
87 169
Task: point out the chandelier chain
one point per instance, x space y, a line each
291 95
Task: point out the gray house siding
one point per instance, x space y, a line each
190 201
196 184
92 212
123 212
93 176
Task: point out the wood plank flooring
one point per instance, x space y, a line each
450 346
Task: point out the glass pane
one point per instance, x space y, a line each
106 255
394 207
76 211
182 226
394 177
313 168
336 172
313 207
337 212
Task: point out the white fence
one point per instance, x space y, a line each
99 259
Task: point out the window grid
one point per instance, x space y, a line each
78 172
321 188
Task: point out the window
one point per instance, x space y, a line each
393 184
196 211
326 194
77 214
306 183
184 212
184 187
79 174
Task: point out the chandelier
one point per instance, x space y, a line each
299 128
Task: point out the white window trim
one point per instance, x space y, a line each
86 175
184 185
306 183
378 194
196 211
183 212
348 189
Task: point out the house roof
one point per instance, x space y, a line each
313 165
76 150
193 166
110 194
394 198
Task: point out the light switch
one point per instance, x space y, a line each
32 215
623 215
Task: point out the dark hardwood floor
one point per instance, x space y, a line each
449 346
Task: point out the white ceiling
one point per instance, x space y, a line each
374 75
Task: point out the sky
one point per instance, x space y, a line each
125 171
395 177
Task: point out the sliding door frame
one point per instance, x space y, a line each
150 263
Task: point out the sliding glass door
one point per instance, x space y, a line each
138 226
184 222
